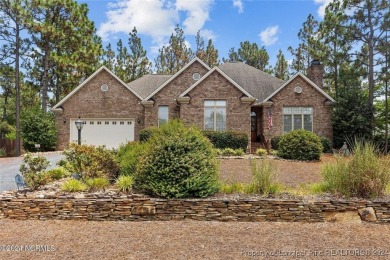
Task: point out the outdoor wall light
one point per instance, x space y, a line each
79 124
64 120
139 121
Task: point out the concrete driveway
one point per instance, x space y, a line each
9 167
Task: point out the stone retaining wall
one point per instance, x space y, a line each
140 208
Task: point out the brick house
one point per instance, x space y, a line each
232 96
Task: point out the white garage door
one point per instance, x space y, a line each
108 132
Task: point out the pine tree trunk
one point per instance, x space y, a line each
45 78
17 87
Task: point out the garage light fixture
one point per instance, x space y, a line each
79 125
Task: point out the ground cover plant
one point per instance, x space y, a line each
178 162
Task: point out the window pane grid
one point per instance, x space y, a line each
297 118
215 115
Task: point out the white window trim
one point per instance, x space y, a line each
302 115
215 115
158 114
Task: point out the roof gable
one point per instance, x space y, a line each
176 75
147 84
258 83
306 79
224 75
74 91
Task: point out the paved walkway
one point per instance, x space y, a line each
9 167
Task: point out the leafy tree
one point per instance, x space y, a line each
281 68
367 23
336 40
208 55
13 19
122 61
65 43
350 116
139 64
309 48
175 55
232 56
252 55
108 58
38 127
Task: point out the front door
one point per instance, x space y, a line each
253 126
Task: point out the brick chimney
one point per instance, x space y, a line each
315 73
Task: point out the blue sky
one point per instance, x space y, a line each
274 24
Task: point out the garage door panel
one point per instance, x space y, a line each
108 132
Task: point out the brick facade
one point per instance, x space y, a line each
119 102
310 97
91 102
167 95
215 86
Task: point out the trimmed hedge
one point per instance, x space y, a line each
300 145
326 145
179 162
229 139
275 142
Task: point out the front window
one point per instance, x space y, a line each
297 118
215 115
162 115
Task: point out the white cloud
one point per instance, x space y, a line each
323 4
270 35
207 34
155 18
197 14
151 17
239 5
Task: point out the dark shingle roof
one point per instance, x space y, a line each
258 83
145 85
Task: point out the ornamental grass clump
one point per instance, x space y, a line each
179 162
263 175
125 183
96 184
365 174
73 185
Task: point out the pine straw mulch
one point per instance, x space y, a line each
193 240
289 173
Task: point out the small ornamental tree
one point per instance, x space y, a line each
300 145
179 162
38 127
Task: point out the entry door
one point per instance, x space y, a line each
253 126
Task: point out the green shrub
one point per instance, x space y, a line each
300 145
73 185
145 134
7 130
57 173
261 152
125 183
95 184
229 139
2 152
33 171
364 174
263 173
90 161
11 136
128 157
327 146
38 127
275 142
230 152
178 162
